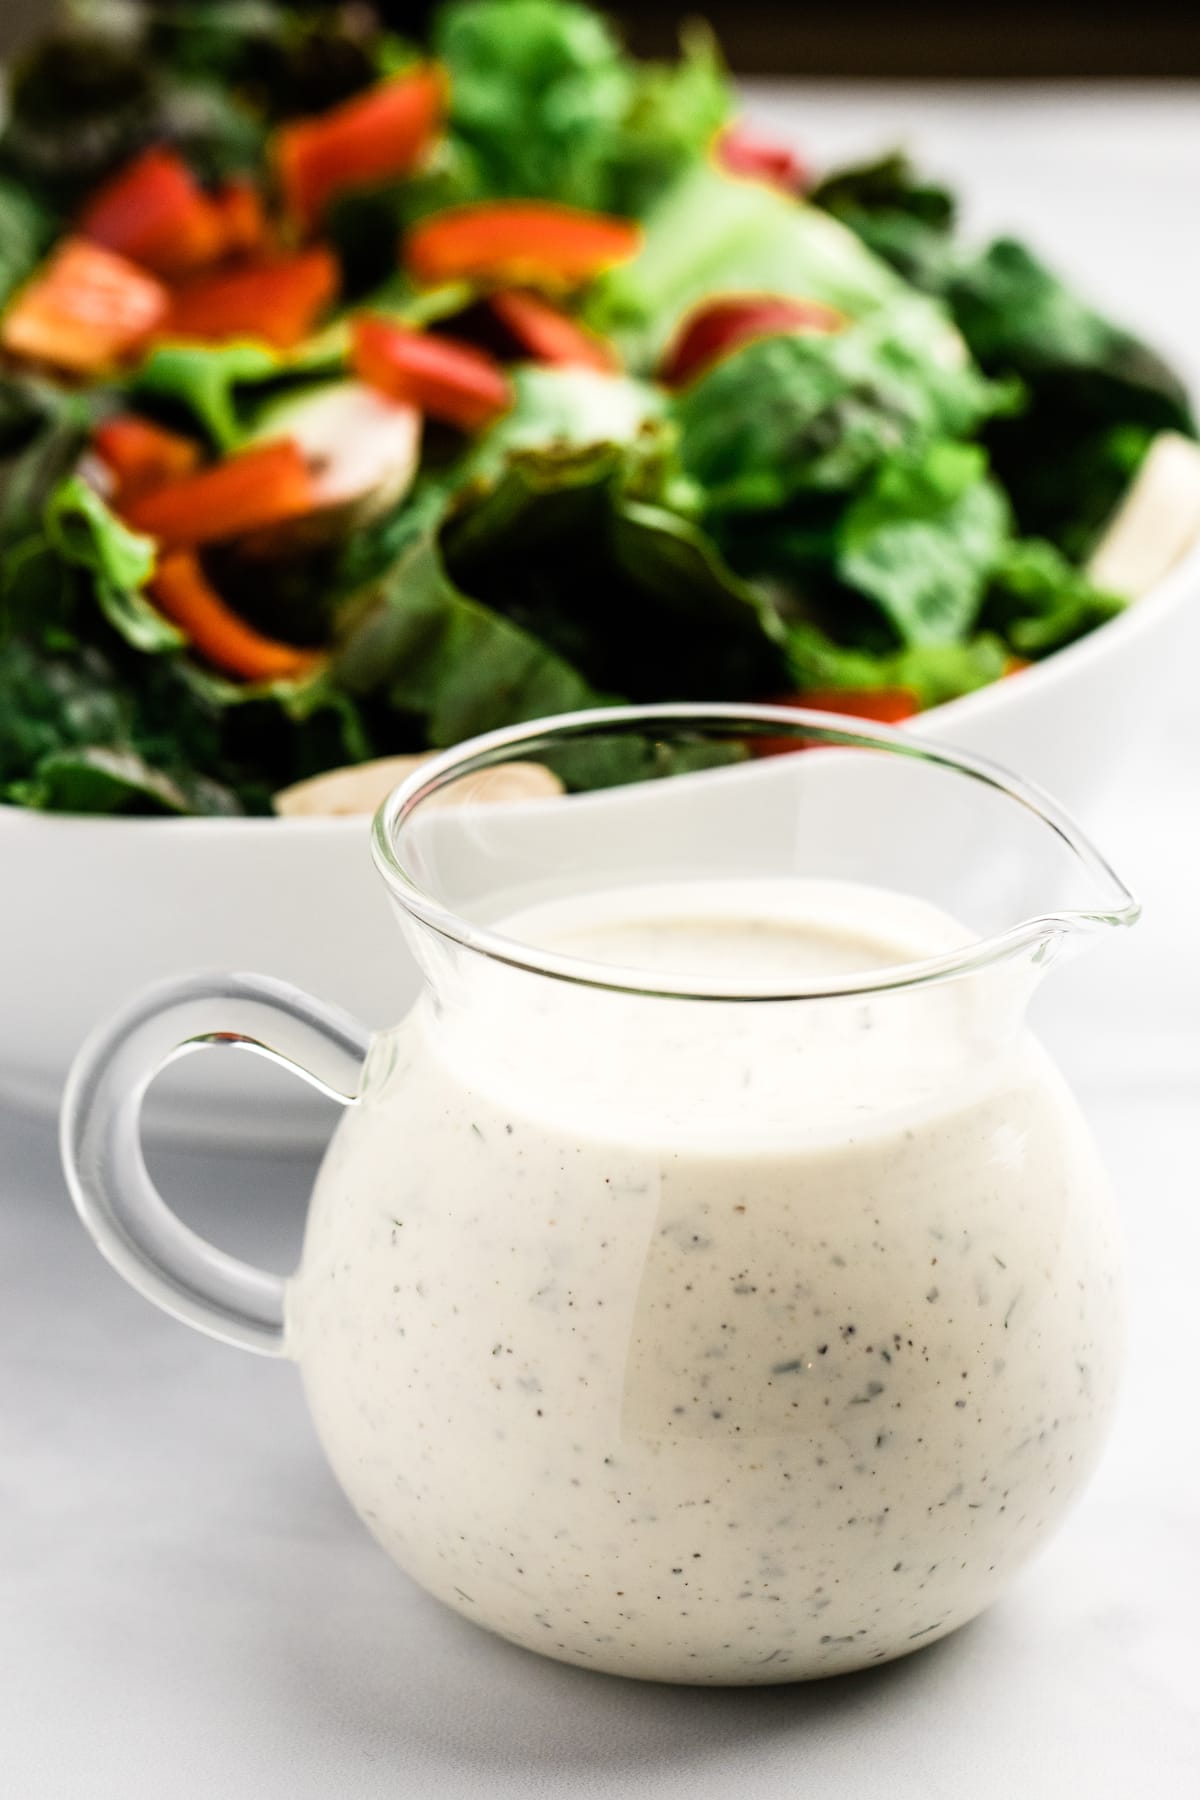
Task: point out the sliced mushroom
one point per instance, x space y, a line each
362 449
1157 522
362 787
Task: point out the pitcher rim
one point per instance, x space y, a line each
833 729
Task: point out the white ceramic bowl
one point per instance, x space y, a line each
94 908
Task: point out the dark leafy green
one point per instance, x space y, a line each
821 412
373 551
42 432
26 230
444 667
274 733
922 540
906 220
1094 393
639 574
289 59
98 779
92 95
84 728
76 736
1018 317
80 102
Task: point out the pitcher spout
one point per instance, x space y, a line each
1085 896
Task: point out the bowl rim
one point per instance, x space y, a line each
1137 616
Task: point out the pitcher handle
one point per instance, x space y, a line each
102 1149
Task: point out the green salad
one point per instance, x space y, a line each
358 395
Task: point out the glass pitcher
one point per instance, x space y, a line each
711 1279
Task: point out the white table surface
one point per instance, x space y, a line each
188 1609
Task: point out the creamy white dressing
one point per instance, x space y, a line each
712 1341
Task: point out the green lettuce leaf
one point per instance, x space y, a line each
548 504
935 673
78 564
80 527
564 409
676 111
711 235
52 702
538 91
224 387
38 596
210 382
545 102
922 540
1066 481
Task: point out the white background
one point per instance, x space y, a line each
186 1606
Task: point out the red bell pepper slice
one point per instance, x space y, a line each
182 591
741 150
887 706
376 135
278 300
259 487
548 335
83 310
156 213
448 380
519 243
244 229
141 455
718 327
